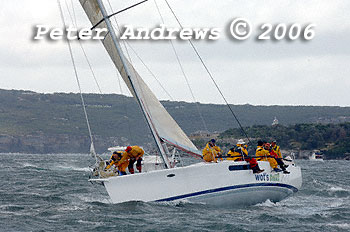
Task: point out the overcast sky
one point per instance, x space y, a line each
259 73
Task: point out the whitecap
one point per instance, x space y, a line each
179 202
90 222
70 208
336 203
335 189
29 165
268 203
91 199
73 168
85 169
344 226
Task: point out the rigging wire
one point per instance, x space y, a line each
125 106
82 48
127 51
120 77
183 72
126 65
210 75
139 57
75 18
128 54
150 71
109 16
92 148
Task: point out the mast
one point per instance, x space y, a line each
159 142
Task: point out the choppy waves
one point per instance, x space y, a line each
51 192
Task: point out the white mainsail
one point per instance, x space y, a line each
161 123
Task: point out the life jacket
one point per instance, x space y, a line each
273 154
135 153
277 150
235 154
115 158
211 153
261 153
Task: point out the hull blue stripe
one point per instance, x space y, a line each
229 188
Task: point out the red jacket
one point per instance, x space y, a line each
273 154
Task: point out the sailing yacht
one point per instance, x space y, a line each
223 183
316 156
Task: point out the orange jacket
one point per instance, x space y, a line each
136 152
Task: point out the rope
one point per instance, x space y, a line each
210 75
183 71
92 149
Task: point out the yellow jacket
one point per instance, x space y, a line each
263 155
243 149
115 158
136 152
277 150
235 155
211 153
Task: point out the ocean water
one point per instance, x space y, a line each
51 193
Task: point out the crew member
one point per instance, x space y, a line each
277 150
234 155
237 153
131 155
211 152
264 155
276 157
241 153
115 158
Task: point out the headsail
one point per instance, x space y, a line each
163 126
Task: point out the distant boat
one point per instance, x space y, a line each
275 122
316 156
225 183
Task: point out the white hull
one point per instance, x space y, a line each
316 159
313 157
210 183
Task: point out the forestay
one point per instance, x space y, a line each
164 125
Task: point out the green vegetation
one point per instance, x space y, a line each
332 139
118 118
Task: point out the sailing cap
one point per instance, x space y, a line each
240 141
212 140
128 149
